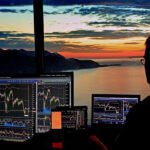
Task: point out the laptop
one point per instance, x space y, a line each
111 109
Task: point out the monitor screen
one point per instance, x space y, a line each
112 109
52 91
17 109
26 103
74 117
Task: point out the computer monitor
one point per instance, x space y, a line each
26 103
17 109
112 109
74 118
52 91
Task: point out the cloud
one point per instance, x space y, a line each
125 16
51 10
51 13
113 23
6 10
62 46
16 43
12 39
93 18
74 34
96 16
106 34
55 46
10 34
134 43
67 47
8 40
88 10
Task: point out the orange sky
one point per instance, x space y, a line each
87 47
102 55
107 49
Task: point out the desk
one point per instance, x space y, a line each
62 140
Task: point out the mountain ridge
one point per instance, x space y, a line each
23 61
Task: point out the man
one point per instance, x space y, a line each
136 132
147 59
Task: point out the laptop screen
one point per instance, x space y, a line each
74 117
112 109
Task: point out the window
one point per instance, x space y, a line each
16 37
102 42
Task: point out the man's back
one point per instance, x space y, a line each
136 133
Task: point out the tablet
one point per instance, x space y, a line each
73 118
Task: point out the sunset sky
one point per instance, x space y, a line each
80 31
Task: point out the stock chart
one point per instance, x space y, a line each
50 95
26 104
16 117
112 108
108 110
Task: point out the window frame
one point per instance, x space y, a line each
39 35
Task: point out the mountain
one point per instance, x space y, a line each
22 61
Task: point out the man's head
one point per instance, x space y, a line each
147 42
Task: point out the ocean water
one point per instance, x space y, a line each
128 78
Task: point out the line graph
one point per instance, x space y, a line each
17 101
50 95
53 93
20 135
14 99
18 123
109 111
108 107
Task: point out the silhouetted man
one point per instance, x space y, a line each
147 59
136 132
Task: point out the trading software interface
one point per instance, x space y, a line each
26 103
112 109
73 117
17 107
51 92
